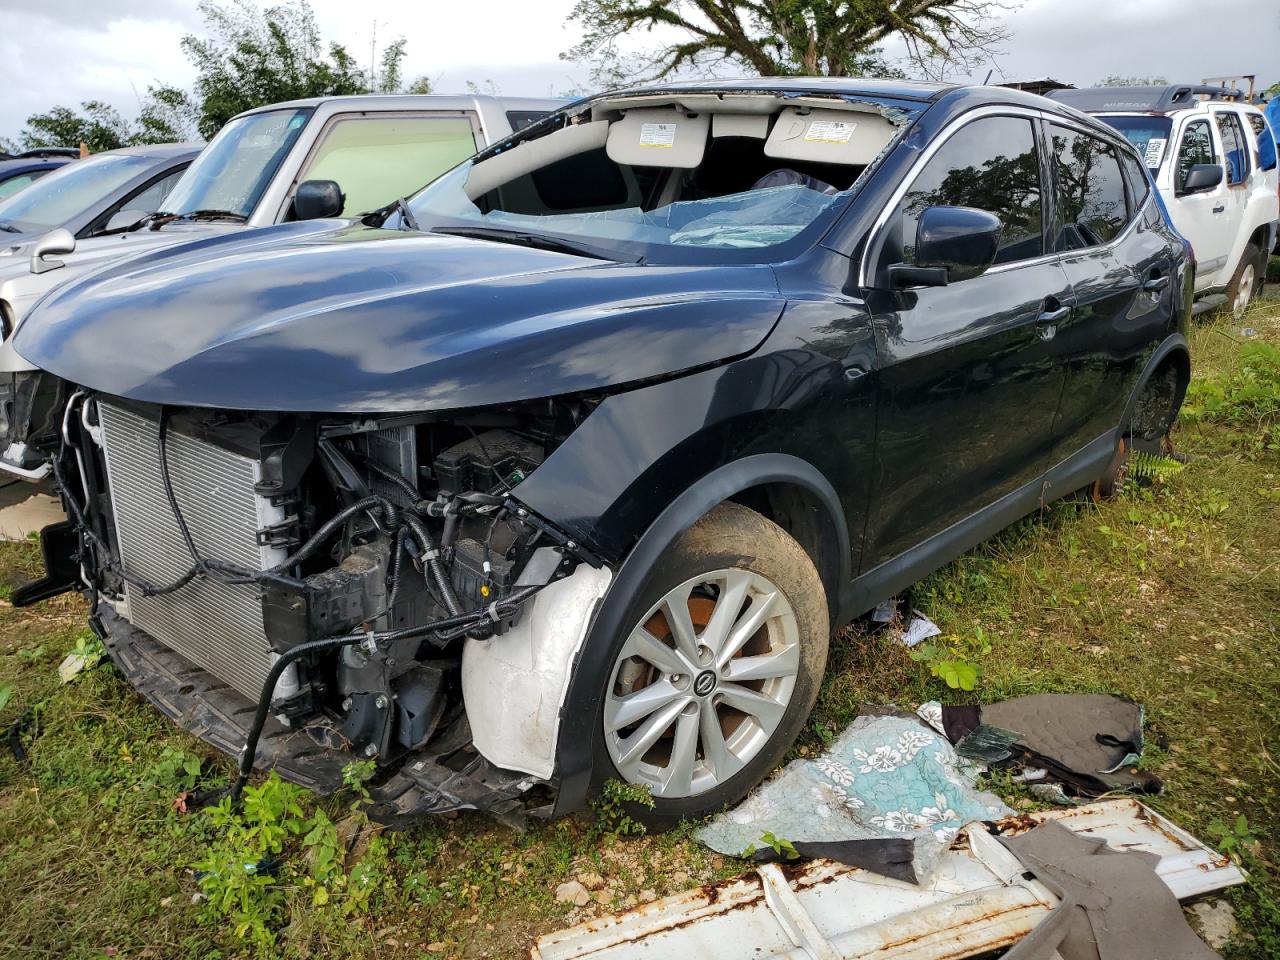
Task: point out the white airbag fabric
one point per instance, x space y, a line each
513 685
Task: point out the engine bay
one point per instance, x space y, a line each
328 569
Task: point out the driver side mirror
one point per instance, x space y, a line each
55 241
318 200
1202 177
952 244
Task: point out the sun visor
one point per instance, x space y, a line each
828 136
658 137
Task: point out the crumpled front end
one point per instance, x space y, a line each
312 586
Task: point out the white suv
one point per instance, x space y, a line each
1201 147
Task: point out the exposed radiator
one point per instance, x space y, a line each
215 626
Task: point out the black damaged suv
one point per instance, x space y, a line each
567 467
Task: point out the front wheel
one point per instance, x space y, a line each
720 668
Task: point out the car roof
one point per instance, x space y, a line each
10 168
1162 98
841 86
156 151
416 101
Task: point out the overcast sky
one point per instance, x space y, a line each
66 51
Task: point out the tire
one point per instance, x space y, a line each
731 554
1244 284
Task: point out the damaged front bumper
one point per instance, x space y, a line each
450 776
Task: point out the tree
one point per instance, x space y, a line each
98 125
253 57
782 37
1116 80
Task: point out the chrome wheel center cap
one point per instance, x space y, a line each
705 682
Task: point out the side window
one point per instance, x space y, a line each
152 198
991 164
1234 147
1266 142
11 186
1135 175
1090 189
1196 148
377 159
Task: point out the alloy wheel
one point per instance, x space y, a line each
702 683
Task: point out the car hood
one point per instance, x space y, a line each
336 317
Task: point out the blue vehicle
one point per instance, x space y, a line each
20 170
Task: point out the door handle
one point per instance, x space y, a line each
1219 208
1154 284
1056 315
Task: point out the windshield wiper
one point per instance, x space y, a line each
214 215
159 219
8 227
376 218
520 237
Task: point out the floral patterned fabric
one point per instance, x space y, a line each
883 778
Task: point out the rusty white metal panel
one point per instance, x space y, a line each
977 900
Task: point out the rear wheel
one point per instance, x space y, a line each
1244 285
720 668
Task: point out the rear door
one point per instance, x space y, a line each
1202 217
969 383
1238 158
1121 270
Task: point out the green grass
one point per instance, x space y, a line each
1168 594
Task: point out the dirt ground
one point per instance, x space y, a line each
1169 594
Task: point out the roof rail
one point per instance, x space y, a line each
1148 99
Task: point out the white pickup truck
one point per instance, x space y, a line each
1201 147
266 166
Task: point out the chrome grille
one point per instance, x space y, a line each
215 626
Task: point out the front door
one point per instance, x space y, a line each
969 383
1202 217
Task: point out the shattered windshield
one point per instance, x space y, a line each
668 181
233 171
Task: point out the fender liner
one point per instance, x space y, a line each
574 746
1173 344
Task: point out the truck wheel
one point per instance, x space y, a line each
1244 285
720 669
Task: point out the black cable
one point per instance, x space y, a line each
249 752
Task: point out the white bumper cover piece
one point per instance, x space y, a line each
514 685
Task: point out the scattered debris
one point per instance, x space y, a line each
919 629
980 900
73 664
887 795
1214 920
1088 744
1110 901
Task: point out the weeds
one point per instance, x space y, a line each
1168 595
612 808
955 660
